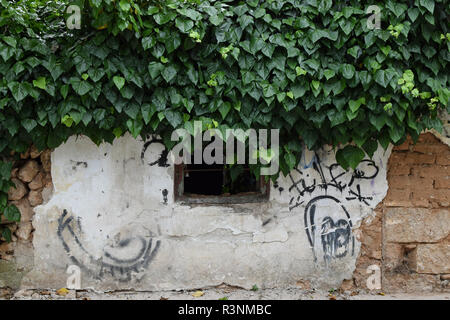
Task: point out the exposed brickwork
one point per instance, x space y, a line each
421 172
32 178
413 221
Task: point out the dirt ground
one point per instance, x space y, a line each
214 294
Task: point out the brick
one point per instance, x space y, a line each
421 202
440 196
419 158
410 283
430 148
433 258
399 171
397 158
398 198
404 146
411 183
443 183
427 138
434 171
404 225
443 159
392 256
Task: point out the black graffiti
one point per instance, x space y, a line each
336 239
358 196
165 193
122 269
366 170
78 164
162 160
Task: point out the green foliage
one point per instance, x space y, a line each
309 68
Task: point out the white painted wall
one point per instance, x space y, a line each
109 216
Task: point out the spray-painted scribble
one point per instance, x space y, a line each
161 161
127 257
328 224
333 177
328 237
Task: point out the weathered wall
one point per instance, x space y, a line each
410 236
33 186
112 213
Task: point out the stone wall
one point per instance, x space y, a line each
112 214
33 186
410 236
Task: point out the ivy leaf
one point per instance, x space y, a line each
155 68
299 90
119 82
40 83
370 146
10 41
184 24
348 71
29 124
132 110
355 104
378 121
135 127
174 117
11 213
81 87
64 90
147 111
290 160
315 84
268 49
224 109
67 121
300 71
5 170
428 4
350 156
18 90
355 52
380 78
310 137
192 74
216 19
329 73
173 43
125 5
396 133
7 52
148 42
96 74
118 132
6 233
413 13
169 73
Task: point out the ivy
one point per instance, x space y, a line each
312 69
